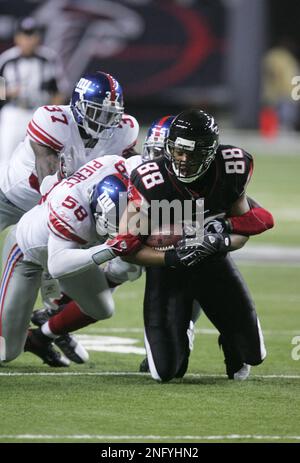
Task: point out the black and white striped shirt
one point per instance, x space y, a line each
36 76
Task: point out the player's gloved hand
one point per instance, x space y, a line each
121 245
67 162
219 225
192 251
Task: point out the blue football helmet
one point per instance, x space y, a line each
108 201
155 140
97 104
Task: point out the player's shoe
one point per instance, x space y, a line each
42 346
235 368
41 316
144 366
243 373
67 343
72 349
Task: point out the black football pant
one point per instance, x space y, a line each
224 297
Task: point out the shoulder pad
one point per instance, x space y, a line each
49 126
237 166
128 132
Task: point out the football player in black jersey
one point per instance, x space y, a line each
195 166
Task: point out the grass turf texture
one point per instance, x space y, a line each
133 405
275 185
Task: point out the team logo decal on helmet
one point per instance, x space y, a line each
97 104
154 144
191 144
108 200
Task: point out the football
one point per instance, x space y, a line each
165 237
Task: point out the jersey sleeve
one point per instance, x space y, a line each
237 170
49 127
133 162
68 217
136 192
126 135
130 127
243 179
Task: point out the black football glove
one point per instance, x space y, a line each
191 251
217 226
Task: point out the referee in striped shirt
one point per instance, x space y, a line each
32 75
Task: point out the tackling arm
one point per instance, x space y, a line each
66 258
240 207
46 160
247 217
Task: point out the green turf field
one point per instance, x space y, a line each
107 401
275 185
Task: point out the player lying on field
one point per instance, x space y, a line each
60 236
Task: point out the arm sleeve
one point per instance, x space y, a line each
257 220
48 183
65 258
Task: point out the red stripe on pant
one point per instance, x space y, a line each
5 279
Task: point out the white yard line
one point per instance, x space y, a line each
131 373
147 437
268 253
101 331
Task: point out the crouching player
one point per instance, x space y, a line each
59 236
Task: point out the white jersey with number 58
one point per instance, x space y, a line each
66 215
55 127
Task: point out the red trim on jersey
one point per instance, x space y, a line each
250 171
134 195
112 87
40 138
121 177
56 234
62 228
34 182
45 196
46 133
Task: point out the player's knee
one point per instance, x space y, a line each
108 307
118 271
99 308
12 354
166 367
166 373
256 358
10 350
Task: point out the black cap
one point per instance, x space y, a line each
28 26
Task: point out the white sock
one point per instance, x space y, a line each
47 332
